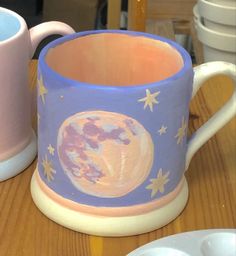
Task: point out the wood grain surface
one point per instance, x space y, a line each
137 14
170 9
25 231
113 14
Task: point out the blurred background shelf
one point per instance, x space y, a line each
31 10
163 17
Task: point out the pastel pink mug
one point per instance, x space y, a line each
17 46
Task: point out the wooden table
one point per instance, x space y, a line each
24 230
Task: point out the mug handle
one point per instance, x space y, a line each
39 32
221 117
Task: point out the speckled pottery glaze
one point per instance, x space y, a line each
18 145
113 110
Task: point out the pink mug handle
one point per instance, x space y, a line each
39 32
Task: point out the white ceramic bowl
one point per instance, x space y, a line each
217 13
196 15
219 244
231 3
216 45
211 242
220 27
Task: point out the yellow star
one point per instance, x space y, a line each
162 130
181 131
42 89
48 169
150 99
51 149
158 183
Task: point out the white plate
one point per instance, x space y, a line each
211 242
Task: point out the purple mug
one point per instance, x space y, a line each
113 116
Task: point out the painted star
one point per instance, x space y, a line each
158 183
181 132
51 149
48 169
150 99
42 91
162 130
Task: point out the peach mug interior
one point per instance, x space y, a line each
115 59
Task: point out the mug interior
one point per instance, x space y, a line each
115 59
9 25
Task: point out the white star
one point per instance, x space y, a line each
48 169
181 131
42 91
162 130
158 184
51 149
150 99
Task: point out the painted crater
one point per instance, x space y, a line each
104 154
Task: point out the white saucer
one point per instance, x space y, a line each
17 163
211 242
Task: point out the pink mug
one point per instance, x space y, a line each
17 46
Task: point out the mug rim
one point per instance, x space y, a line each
187 62
21 29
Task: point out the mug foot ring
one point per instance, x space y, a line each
108 226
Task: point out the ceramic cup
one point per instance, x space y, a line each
216 13
230 3
216 45
219 17
17 46
113 116
196 15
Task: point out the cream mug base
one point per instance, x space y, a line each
108 226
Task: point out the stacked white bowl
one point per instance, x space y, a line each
215 21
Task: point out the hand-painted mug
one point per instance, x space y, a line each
113 115
17 46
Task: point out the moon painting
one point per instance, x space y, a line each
104 154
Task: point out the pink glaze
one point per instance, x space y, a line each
115 59
15 111
15 131
109 211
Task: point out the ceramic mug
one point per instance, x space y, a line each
112 147
17 46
